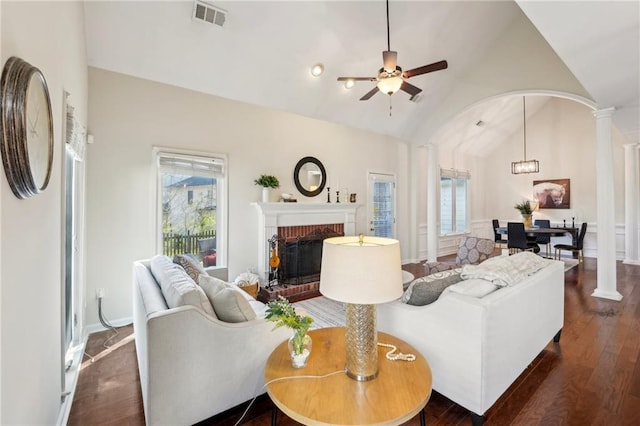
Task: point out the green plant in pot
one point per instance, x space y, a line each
267 182
525 210
284 314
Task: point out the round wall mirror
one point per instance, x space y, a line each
310 176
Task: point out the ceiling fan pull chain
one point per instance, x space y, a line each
390 106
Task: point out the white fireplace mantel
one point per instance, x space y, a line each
273 215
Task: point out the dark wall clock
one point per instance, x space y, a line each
26 128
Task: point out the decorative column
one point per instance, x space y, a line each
432 203
606 284
413 204
631 200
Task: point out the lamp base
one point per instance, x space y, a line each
361 342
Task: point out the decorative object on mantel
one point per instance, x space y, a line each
284 314
337 196
288 198
352 197
267 182
26 128
525 210
530 166
328 194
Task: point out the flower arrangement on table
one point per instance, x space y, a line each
284 314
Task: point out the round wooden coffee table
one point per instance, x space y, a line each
399 393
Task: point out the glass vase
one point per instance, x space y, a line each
299 349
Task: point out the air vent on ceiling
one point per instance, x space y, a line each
209 13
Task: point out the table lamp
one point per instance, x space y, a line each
361 271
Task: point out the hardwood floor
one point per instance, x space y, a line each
591 378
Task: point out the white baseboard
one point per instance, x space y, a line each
94 328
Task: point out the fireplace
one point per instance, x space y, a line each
289 221
301 254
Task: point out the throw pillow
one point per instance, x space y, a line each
177 287
231 306
475 287
211 285
426 290
190 264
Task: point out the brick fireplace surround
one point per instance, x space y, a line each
289 220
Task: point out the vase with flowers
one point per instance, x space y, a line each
267 182
284 314
525 210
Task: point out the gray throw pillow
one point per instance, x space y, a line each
426 290
190 264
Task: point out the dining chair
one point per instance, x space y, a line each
543 239
577 248
497 237
517 238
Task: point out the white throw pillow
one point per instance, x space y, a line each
211 285
231 306
177 287
474 287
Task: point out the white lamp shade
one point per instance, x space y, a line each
366 274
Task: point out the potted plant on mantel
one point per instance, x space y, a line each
267 182
525 210
284 314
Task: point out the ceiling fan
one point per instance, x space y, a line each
390 77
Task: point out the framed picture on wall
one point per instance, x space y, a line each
552 193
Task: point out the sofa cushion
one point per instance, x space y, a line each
231 306
229 302
177 287
190 264
426 290
475 287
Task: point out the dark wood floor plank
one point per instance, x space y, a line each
591 378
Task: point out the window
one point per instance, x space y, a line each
191 205
454 196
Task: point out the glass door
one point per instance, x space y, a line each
381 205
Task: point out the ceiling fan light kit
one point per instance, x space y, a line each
390 77
317 70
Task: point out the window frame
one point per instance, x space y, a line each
222 200
454 175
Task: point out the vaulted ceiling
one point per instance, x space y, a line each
263 53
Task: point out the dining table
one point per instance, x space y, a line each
535 231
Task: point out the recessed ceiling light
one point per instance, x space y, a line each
349 84
317 70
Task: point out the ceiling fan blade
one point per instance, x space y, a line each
370 93
436 66
390 60
410 88
357 78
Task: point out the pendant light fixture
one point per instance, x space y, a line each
530 166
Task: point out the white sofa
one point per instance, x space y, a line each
477 347
193 365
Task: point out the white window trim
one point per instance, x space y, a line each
454 174
222 206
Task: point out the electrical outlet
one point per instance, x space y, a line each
99 293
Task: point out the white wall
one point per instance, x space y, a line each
128 116
561 135
50 36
